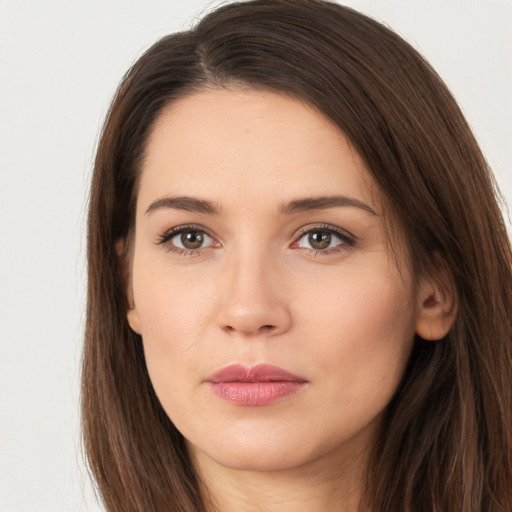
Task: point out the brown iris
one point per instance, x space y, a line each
192 239
319 239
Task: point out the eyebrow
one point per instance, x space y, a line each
191 204
322 203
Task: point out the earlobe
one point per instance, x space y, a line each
437 306
133 319
125 276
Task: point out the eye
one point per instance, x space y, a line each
325 239
186 239
190 239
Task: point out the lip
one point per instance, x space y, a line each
257 385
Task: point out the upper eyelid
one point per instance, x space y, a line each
176 230
324 227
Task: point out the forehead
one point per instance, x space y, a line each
226 142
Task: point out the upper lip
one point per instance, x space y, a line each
256 373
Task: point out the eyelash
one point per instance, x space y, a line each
347 240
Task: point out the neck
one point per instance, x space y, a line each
316 487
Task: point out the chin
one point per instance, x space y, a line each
262 452
255 459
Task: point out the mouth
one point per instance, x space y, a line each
257 385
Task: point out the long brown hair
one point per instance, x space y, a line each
446 441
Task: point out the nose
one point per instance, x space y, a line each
254 300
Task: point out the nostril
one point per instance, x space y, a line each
249 330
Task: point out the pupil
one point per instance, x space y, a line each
192 239
320 239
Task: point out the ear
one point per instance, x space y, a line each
437 303
126 278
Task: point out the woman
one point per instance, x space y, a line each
299 278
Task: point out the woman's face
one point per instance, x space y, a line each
260 241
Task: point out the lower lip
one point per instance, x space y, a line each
255 393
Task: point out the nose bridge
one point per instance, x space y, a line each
254 300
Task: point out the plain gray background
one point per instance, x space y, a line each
60 62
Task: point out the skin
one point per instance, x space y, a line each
257 291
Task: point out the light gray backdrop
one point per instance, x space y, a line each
60 62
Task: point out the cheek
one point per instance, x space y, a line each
174 312
363 332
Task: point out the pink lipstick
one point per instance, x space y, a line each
262 384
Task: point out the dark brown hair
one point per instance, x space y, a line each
446 441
